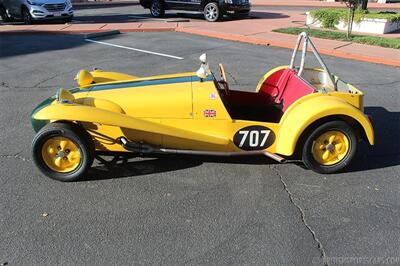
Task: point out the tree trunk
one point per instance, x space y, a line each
350 22
364 4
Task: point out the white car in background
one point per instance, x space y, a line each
34 10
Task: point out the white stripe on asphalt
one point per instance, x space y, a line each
135 49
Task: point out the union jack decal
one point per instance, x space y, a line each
209 113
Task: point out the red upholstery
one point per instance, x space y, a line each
284 86
269 89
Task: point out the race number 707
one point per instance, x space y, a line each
253 137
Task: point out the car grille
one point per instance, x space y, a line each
54 7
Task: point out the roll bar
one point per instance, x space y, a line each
307 41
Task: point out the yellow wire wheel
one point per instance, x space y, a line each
61 154
330 148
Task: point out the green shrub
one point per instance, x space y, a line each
329 17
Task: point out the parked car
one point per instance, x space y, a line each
294 112
34 10
212 10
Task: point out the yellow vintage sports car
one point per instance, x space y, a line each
295 111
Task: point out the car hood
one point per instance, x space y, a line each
146 82
50 1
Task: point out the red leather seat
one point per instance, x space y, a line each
284 87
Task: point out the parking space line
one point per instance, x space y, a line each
135 49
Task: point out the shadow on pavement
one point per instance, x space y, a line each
125 168
30 43
129 167
386 151
267 15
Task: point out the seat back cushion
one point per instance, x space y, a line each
269 89
292 89
284 87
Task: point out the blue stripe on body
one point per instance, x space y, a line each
142 83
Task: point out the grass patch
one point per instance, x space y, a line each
329 17
341 36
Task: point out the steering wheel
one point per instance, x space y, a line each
224 80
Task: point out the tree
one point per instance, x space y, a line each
364 4
352 5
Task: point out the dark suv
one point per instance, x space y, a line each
213 10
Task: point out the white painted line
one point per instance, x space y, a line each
135 49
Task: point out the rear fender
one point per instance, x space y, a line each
309 110
90 114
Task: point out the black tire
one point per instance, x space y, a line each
3 15
157 9
212 12
74 133
68 20
310 160
26 16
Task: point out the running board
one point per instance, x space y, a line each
143 148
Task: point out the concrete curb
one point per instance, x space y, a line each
224 36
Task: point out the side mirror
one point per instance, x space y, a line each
204 70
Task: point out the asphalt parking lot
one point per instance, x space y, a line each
190 210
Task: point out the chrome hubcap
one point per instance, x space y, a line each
211 12
155 8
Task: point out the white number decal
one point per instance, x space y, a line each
244 133
254 137
266 134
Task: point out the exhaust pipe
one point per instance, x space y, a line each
143 148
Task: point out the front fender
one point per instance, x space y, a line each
90 114
100 76
305 112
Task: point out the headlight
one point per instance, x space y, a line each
229 1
